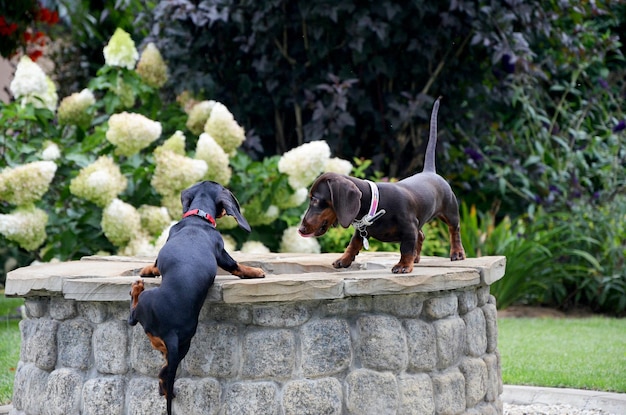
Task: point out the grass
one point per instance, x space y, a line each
9 345
581 353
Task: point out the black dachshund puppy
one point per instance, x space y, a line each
188 263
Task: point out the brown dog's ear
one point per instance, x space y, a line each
230 204
345 197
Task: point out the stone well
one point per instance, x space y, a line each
307 339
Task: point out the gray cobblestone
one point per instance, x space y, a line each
371 393
289 315
449 390
422 345
313 397
382 343
440 307
269 354
451 341
416 395
110 343
326 347
103 396
214 351
252 398
62 309
74 342
63 391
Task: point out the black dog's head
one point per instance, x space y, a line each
333 199
213 198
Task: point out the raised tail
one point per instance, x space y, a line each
429 158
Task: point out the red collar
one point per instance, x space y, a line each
202 214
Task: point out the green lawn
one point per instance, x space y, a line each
583 353
9 345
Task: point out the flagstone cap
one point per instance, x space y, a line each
289 277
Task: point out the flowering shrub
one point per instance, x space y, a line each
122 157
20 22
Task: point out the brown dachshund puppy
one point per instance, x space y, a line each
389 212
188 262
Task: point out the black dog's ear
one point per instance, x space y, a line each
227 201
345 197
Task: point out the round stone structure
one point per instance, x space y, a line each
307 339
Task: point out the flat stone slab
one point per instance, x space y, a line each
289 277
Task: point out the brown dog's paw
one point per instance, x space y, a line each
149 271
344 262
400 268
457 256
246 272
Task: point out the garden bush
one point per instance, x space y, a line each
103 172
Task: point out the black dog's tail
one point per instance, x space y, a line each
429 158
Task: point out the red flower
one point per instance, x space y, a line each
35 54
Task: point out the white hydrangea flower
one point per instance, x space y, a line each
48 100
131 132
140 245
151 67
209 150
226 222
73 108
120 222
51 151
176 144
25 226
154 219
121 50
29 79
198 116
304 163
158 244
222 126
291 241
229 243
254 247
27 183
100 182
294 199
174 173
337 165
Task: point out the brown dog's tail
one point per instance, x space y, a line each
429 158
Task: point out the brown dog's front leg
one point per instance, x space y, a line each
247 272
353 249
457 252
407 256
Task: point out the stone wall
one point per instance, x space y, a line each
423 343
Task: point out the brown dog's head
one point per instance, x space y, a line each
214 198
333 198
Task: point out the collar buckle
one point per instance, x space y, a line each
202 214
